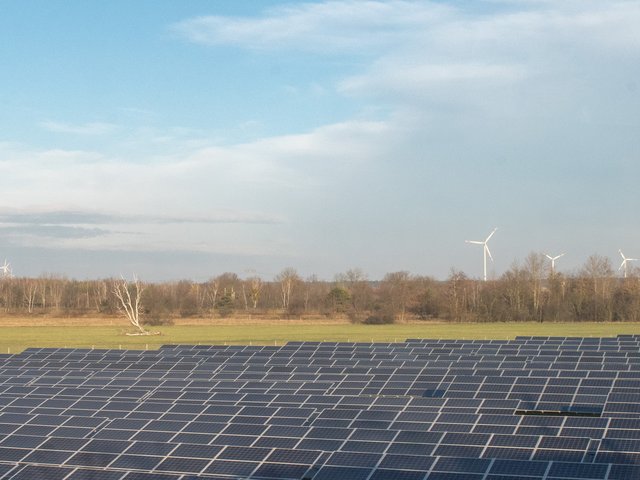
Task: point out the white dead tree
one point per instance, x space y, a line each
130 297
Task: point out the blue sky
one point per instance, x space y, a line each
185 139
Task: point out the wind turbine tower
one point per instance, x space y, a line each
485 250
623 265
553 261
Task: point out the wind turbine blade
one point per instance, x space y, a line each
621 254
491 234
561 255
476 242
549 257
486 247
622 264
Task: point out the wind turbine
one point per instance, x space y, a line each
553 261
485 250
624 263
6 269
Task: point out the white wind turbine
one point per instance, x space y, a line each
623 265
553 261
6 269
485 250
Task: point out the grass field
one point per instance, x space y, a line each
14 339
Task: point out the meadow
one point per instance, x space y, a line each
15 336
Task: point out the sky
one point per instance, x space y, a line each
180 140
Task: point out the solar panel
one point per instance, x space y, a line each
418 409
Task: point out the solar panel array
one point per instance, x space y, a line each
543 408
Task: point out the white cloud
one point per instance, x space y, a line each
412 80
92 230
356 26
91 128
446 105
333 27
208 199
444 53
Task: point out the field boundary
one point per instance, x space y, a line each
14 339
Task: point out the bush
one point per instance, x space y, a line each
380 319
188 307
225 305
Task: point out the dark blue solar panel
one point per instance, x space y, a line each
362 404
227 467
182 465
407 462
192 451
149 476
461 465
354 459
306 457
385 474
85 474
30 472
21 441
51 457
137 462
578 470
624 472
90 459
454 476
8 454
518 468
277 471
342 473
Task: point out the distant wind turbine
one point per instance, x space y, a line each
485 250
623 265
553 261
6 269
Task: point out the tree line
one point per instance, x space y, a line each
526 292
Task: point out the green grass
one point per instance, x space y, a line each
16 339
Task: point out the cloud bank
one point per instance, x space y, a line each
434 121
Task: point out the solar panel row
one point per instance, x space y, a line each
534 407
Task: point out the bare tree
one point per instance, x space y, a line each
130 302
287 279
56 290
360 292
598 271
534 268
255 288
212 287
99 295
397 288
30 291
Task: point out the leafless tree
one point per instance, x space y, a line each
287 279
212 287
534 267
56 290
43 284
598 271
398 287
30 291
360 291
255 288
99 294
129 296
